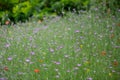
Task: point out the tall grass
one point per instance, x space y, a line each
75 47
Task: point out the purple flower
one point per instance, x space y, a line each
78 64
30 38
7 45
57 63
45 27
51 50
36 30
77 31
32 53
59 47
3 79
9 58
89 78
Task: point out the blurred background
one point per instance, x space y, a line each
22 10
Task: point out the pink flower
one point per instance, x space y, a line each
51 50
89 78
9 58
77 31
7 45
32 53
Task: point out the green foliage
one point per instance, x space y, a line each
17 10
22 10
4 16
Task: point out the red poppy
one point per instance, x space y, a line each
36 70
6 68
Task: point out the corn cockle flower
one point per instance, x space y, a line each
9 58
7 45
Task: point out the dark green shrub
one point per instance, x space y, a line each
22 11
70 5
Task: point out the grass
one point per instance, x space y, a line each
75 47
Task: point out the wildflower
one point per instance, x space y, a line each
30 38
81 46
57 76
110 74
27 60
78 64
6 68
57 63
59 47
9 58
32 53
113 71
45 27
39 21
7 22
3 79
115 63
56 70
76 68
36 70
36 30
51 50
89 78
77 31
66 56
103 53
7 45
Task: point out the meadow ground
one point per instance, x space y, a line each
75 47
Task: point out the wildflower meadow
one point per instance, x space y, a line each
84 46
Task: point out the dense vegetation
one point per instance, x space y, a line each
76 47
21 10
77 40
16 10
